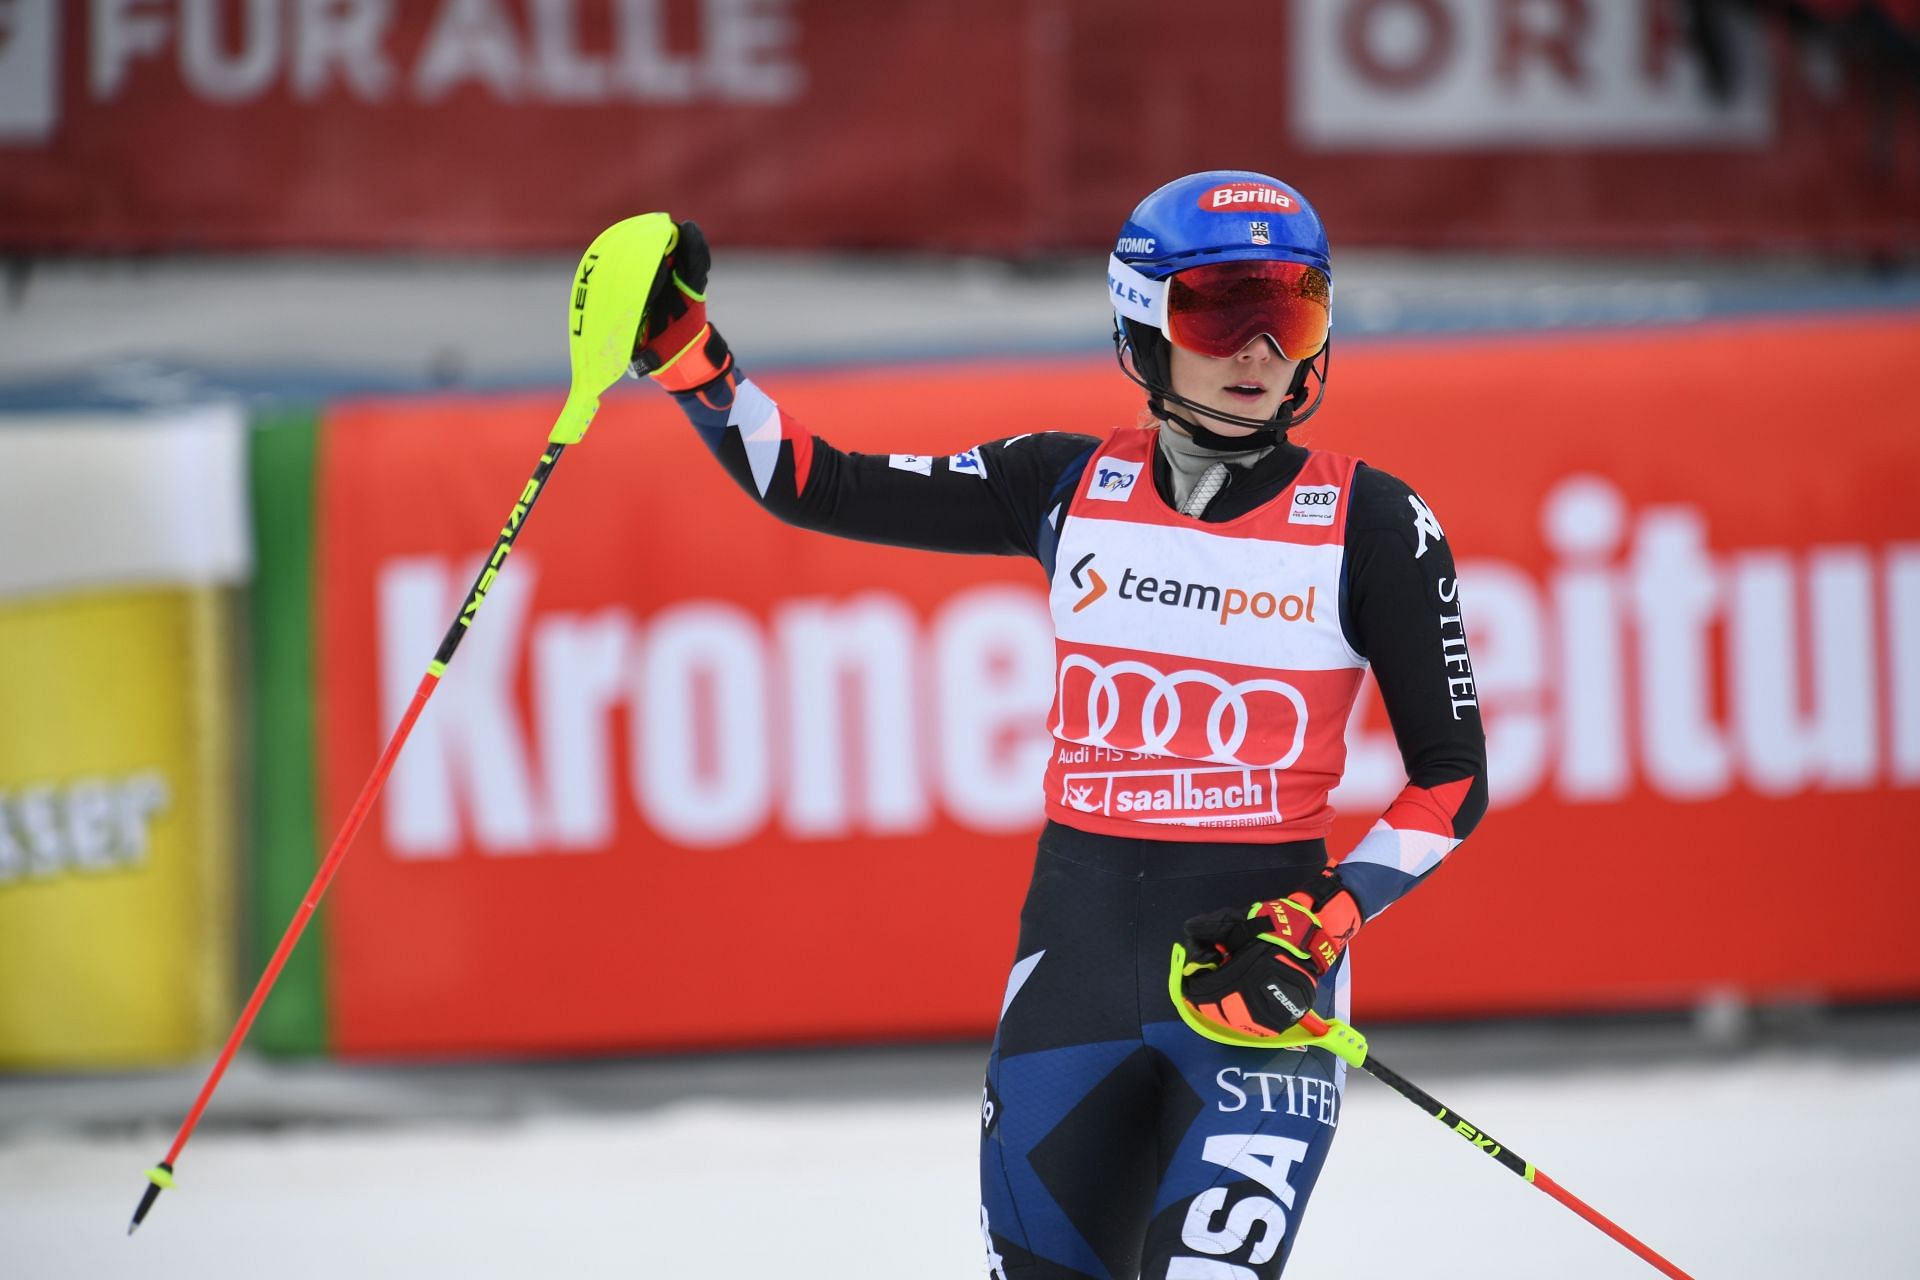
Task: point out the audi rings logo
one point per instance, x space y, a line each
1190 714
1314 504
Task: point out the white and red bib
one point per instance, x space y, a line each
1202 680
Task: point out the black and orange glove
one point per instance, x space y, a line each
678 348
1255 971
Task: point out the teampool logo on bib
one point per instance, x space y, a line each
1314 504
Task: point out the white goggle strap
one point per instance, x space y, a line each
1136 297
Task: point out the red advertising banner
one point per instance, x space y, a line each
991 126
698 778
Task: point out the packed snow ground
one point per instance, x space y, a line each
1784 1164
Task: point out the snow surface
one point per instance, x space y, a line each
1779 1165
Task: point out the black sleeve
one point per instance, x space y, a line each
1403 614
992 499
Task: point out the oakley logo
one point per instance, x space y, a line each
1235 196
1127 293
1099 587
1113 481
1191 714
1135 244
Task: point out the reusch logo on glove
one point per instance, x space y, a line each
1232 197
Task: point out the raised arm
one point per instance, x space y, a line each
996 498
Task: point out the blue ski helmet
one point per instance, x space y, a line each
1221 215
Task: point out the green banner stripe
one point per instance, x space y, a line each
285 848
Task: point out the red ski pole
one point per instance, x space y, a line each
605 310
1339 1038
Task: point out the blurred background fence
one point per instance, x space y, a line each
1624 289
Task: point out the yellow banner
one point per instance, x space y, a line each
116 928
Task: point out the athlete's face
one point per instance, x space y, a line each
1251 384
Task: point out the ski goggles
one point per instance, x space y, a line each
1218 309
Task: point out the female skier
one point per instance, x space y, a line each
1217 591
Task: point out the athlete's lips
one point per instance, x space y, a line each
1251 390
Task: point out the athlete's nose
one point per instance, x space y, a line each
1260 349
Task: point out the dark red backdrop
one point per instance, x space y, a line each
626 855
988 125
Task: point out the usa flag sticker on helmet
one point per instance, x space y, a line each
1238 197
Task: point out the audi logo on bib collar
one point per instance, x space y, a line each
1314 504
1166 702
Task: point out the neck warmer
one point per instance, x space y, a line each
1190 460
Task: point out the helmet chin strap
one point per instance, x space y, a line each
1267 433
1293 411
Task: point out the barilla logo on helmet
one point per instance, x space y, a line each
1237 197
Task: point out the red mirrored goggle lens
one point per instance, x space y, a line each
1218 309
